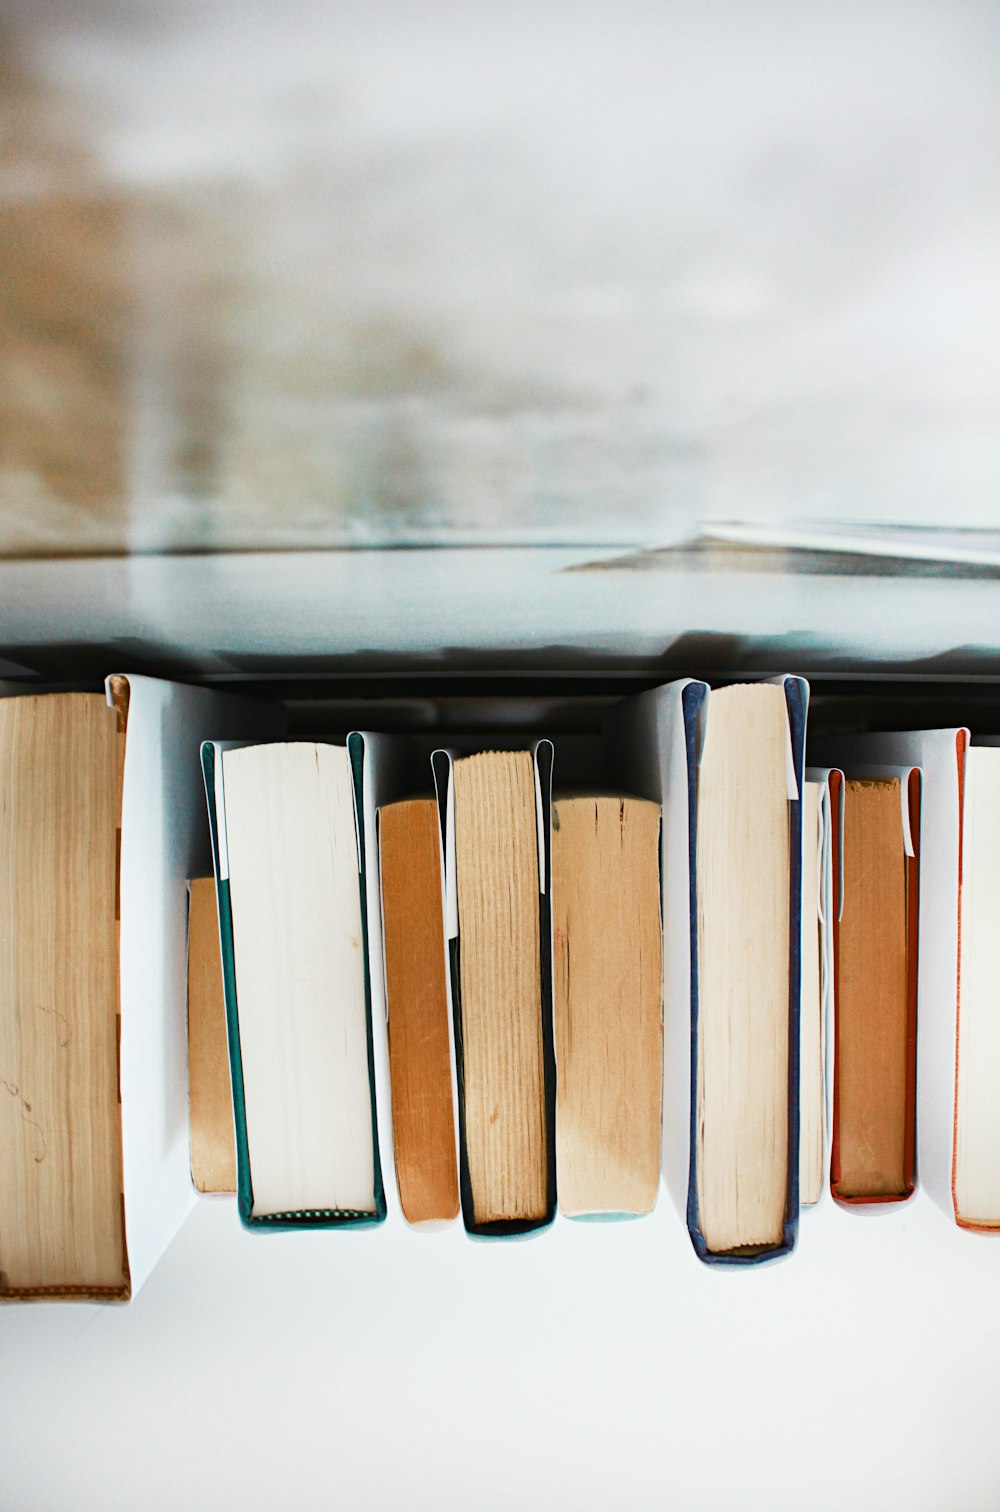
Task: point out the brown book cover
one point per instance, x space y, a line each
423 1120
875 944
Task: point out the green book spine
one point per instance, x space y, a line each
318 1218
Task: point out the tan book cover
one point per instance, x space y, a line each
62 1227
213 1142
608 1003
502 1056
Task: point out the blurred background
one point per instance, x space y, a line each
318 275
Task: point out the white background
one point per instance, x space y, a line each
589 1367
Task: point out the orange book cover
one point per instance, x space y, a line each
839 1186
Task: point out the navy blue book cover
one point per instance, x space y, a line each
796 698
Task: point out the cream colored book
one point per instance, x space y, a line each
743 904
293 928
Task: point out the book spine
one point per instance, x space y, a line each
210 757
355 746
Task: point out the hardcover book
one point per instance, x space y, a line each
289 836
728 769
822 901
956 1127
109 826
495 812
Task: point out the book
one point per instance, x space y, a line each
210 1095
158 839
812 1077
497 807
418 1010
742 888
727 766
821 882
608 998
940 756
872 1158
976 1175
164 841
291 881
62 1218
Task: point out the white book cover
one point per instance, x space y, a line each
831 819
940 755
385 777
164 841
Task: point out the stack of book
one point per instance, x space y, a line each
498 998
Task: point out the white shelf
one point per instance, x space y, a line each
588 1367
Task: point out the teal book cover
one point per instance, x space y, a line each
211 754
